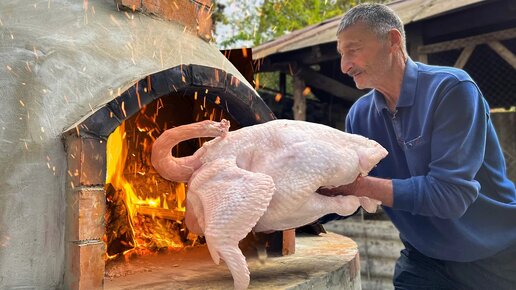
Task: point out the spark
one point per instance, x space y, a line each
123 109
35 53
138 96
161 58
278 97
85 11
114 20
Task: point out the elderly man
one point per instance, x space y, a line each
443 184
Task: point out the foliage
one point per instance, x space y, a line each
251 23
254 25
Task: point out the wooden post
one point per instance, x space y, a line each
299 107
464 56
504 52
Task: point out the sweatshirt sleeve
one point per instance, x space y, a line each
457 152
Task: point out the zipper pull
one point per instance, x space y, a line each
394 114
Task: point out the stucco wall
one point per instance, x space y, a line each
59 62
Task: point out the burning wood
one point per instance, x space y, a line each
162 213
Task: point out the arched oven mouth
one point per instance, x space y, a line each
118 206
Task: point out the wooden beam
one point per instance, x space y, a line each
317 80
468 41
414 41
464 56
283 83
502 51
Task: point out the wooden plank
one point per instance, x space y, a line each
299 107
423 57
502 51
289 242
168 214
317 80
464 56
468 41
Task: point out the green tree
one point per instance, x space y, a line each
255 25
251 24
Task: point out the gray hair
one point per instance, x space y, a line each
380 18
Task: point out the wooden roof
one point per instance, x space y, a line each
409 11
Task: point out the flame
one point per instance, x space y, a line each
153 216
145 212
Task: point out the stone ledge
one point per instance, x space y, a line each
328 261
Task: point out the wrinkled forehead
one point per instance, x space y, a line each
355 34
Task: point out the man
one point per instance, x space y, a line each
443 183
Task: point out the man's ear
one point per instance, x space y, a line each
395 40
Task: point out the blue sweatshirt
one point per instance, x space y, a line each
452 198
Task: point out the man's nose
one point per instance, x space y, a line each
345 65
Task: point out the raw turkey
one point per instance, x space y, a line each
262 178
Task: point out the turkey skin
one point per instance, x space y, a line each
262 178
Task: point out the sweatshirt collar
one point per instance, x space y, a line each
408 89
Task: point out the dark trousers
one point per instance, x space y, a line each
417 271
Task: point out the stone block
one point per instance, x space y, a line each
85 266
86 208
86 158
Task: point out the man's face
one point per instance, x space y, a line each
364 56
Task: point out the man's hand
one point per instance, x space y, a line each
348 189
372 187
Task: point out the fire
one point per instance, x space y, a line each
146 211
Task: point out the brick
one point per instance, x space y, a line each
204 21
86 209
194 16
85 266
86 158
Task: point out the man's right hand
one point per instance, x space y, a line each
348 189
